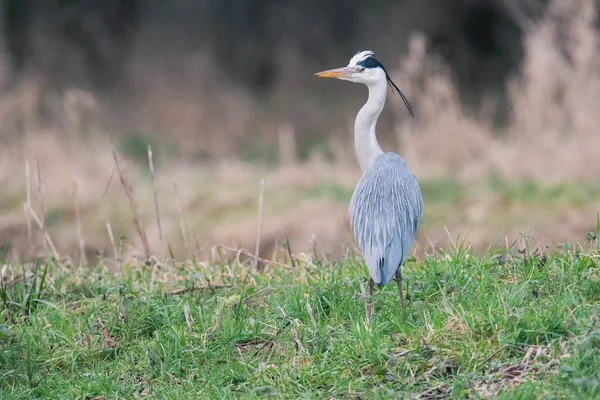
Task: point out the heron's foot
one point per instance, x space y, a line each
399 283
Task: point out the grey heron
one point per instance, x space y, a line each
386 206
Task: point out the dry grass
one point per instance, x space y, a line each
551 140
552 136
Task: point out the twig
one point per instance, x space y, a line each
198 249
157 209
48 240
427 394
83 258
299 346
38 184
249 254
287 323
112 242
27 206
269 342
311 314
28 181
123 314
501 349
132 203
260 292
286 244
188 320
112 173
198 288
258 224
403 353
181 225
41 222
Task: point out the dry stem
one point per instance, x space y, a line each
258 224
112 242
83 258
132 203
181 225
157 209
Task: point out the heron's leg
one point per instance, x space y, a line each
370 299
399 283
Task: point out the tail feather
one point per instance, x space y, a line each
383 267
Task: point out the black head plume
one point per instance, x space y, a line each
371 62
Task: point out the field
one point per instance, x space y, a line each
517 323
130 228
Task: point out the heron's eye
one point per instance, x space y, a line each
360 69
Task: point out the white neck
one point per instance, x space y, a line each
365 140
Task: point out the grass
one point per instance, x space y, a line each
510 324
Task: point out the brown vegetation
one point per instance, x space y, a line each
551 140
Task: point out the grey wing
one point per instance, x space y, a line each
385 212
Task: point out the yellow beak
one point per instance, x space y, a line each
334 73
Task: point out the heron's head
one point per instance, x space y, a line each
364 68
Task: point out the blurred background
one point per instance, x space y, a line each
506 93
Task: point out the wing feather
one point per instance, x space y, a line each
385 212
